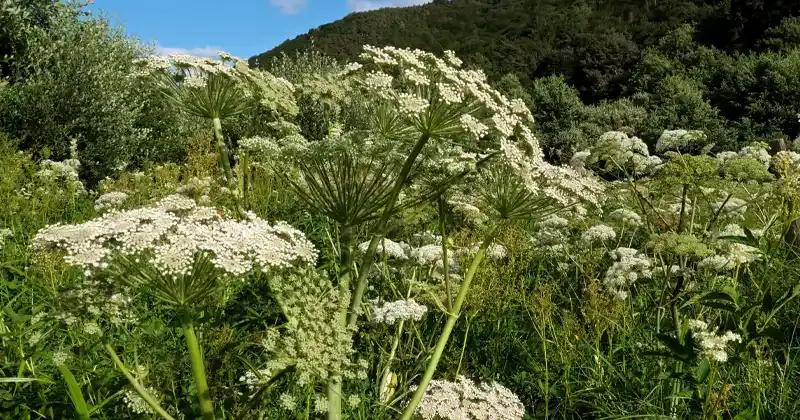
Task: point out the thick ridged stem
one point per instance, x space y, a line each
452 317
225 164
198 369
136 385
346 245
380 229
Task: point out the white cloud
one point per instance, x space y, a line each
364 5
289 7
210 52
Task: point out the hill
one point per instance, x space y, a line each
594 44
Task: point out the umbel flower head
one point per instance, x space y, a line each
222 88
175 243
466 400
712 344
418 94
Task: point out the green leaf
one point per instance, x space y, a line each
746 415
720 305
15 317
75 393
721 295
702 370
678 350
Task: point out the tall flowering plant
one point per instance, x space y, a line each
180 254
424 109
217 90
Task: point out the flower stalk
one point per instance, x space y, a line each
369 256
198 369
225 164
146 396
452 317
346 245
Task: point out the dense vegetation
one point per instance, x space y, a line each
397 237
726 66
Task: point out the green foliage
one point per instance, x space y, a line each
72 80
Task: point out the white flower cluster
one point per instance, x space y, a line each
61 358
388 248
274 93
618 150
476 109
466 400
724 156
136 403
287 402
469 211
259 145
172 233
741 254
716 263
390 312
109 201
598 234
787 164
428 254
551 235
253 380
680 140
629 267
625 217
757 151
495 252
65 172
713 345
5 233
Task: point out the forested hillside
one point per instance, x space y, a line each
728 64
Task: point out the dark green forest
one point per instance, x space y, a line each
730 67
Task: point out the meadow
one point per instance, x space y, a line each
380 239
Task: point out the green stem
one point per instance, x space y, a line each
387 371
136 385
198 370
346 245
676 319
683 208
445 262
707 409
245 162
448 328
463 347
380 229
225 164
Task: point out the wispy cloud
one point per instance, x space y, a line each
364 5
289 7
198 52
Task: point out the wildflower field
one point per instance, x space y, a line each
380 239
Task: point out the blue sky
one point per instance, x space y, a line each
240 27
